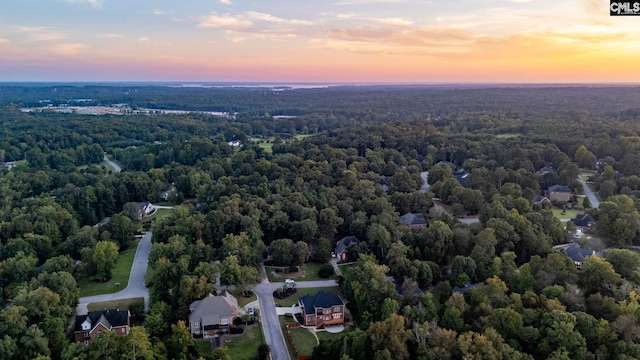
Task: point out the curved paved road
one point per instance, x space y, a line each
113 165
587 191
136 286
269 316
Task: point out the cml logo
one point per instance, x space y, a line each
624 8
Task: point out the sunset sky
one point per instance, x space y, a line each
390 41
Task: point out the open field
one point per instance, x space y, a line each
88 287
267 146
309 272
115 304
245 345
304 339
293 299
568 214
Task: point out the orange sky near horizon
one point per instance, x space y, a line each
387 41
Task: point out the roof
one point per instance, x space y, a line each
462 290
540 199
559 188
103 222
109 318
212 306
345 242
322 299
412 219
576 253
546 170
584 220
463 177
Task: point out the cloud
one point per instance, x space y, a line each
158 12
226 2
4 41
70 49
226 22
45 37
274 19
112 36
252 22
393 21
94 3
143 39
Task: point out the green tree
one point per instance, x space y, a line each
281 252
105 257
139 344
180 341
391 337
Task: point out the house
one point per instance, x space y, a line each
464 289
463 177
545 170
143 209
559 193
585 224
212 315
234 143
578 254
414 220
322 309
541 200
343 244
167 192
89 326
385 181
7 165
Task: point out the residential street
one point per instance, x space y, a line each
587 191
113 165
136 286
269 317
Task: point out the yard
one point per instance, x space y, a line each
115 304
292 300
568 214
243 300
308 272
267 146
304 339
245 345
119 280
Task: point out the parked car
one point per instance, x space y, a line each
251 311
289 281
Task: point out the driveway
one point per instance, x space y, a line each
269 316
587 191
113 165
136 286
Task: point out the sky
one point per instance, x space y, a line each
339 41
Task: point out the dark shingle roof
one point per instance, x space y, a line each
540 199
463 177
412 219
576 253
345 242
583 220
322 299
462 290
559 188
112 317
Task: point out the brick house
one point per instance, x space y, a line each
213 314
343 244
414 220
322 309
585 224
89 326
559 193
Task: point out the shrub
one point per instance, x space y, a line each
236 330
326 271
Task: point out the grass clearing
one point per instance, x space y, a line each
508 135
114 304
568 214
293 299
308 272
89 287
243 300
245 346
203 347
266 146
304 340
325 335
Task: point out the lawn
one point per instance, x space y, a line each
293 299
508 135
324 335
203 347
304 339
344 267
121 272
309 272
267 146
243 300
115 304
245 346
568 214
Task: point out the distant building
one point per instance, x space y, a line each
414 220
541 200
578 255
463 177
465 288
585 224
167 192
234 143
89 326
7 165
559 193
343 244
545 170
104 221
143 209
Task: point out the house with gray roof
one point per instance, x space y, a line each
212 315
324 309
88 327
578 254
559 193
343 244
414 220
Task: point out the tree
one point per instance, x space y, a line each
105 257
440 241
625 262
139 343
586 203
301 253
180 341
281 252
379 236
391 337
584 158
157 321
263 351
221 353
121 228
597 275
